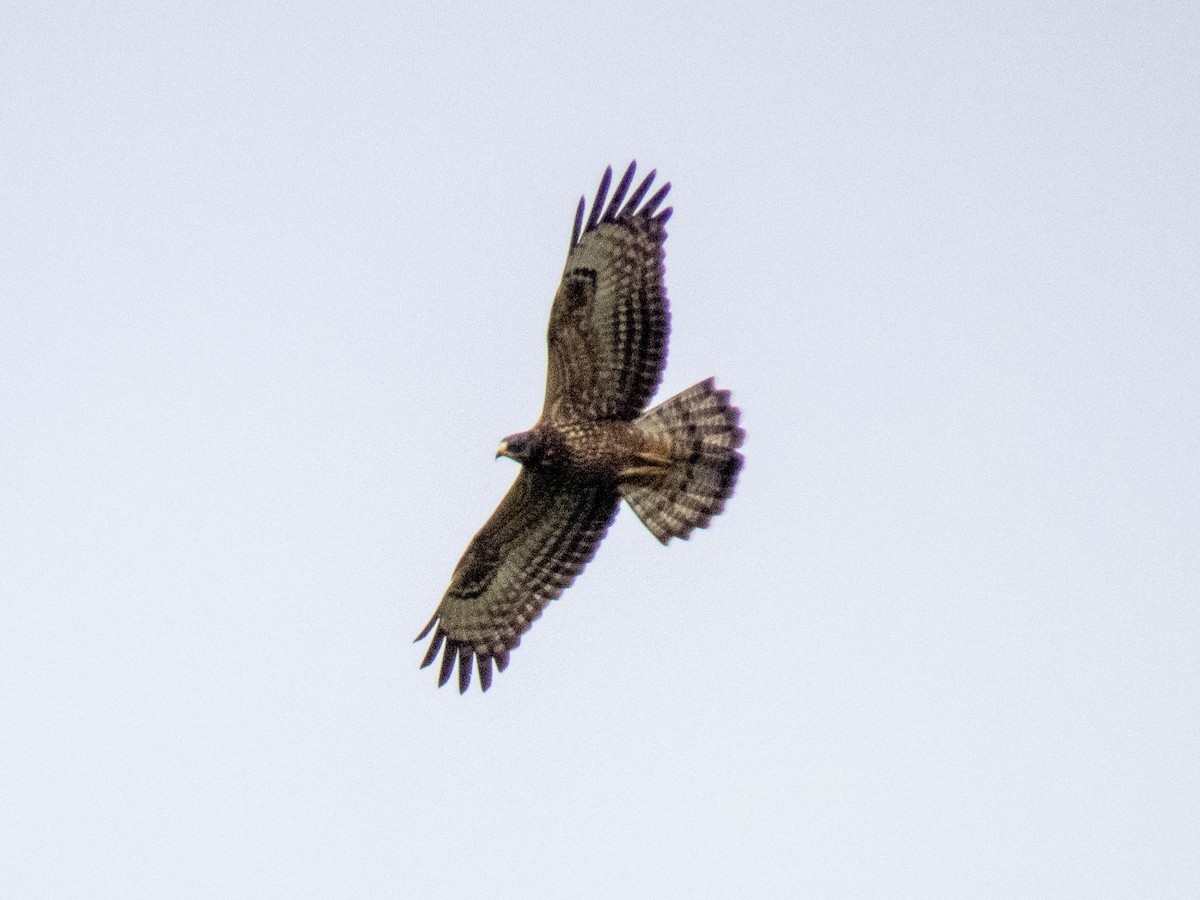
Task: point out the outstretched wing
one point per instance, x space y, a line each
609 321
540 537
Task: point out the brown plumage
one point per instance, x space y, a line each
675 465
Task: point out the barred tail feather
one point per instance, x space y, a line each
700 427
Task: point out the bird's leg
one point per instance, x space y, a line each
653 464
654 458
641 473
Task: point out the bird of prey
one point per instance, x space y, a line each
594 443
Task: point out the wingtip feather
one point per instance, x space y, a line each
652 204
614 205
598 203
464 668
434 646
635 198
484 663
428 628
448 657
575 231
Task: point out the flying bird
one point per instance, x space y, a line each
594 443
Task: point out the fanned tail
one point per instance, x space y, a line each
700 429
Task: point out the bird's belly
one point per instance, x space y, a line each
598 450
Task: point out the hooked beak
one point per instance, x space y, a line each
503 451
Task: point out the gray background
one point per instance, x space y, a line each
274 282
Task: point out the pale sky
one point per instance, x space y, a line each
274 280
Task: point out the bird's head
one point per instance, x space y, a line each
525 447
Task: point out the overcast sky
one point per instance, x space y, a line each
274 282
